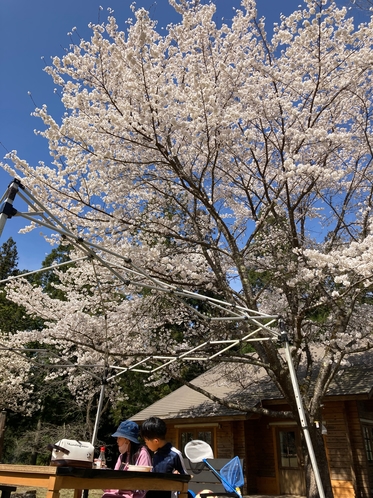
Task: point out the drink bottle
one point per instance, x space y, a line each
101 460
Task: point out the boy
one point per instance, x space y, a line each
166 458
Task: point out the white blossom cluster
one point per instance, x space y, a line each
98 324
217 160
16 383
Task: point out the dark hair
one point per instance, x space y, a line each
134 448
133 454
152 428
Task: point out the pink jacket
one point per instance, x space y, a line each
142 457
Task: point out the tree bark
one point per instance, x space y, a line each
35 452
322 463
2 430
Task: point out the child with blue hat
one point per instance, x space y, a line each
131 453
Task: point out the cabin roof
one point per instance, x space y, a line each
249 385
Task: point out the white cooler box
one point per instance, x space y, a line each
72 453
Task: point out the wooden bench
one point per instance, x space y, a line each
205 479
6 490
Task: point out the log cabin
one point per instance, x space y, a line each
270 446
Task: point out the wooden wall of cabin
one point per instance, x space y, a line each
365 414
345 449
229 438
251 463
253 440
172 435
261 475
225 440
339 452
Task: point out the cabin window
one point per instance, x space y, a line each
368 441
197 433
288 449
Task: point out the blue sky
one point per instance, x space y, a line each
32 29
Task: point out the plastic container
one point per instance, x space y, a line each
101 460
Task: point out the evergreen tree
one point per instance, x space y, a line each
48 278
8 259
12 316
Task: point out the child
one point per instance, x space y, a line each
131 453
166 458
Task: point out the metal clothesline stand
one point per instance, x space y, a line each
302 416
42 216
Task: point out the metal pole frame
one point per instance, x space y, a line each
237 313
99 409
301 413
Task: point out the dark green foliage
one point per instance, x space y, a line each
27 438
8 259
12 316
48 278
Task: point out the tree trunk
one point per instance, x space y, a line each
2 430
322 463
35 448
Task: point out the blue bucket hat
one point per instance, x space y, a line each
129 430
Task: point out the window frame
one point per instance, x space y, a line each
367 430
196 431
296 455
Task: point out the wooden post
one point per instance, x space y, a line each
2 430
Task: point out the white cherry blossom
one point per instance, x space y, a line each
217 160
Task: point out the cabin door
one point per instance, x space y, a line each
290 464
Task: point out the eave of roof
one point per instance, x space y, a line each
248 386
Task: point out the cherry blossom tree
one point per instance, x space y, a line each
220 161
16 383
